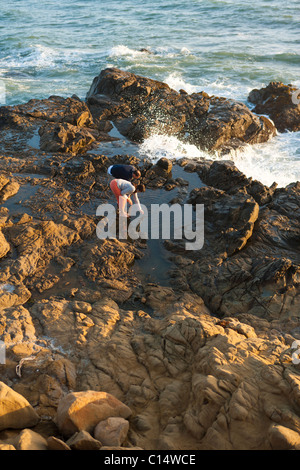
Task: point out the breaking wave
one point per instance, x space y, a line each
275 161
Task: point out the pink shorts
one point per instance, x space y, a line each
115 189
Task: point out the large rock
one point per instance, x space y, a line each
64 138
193 380
36 242
112 431
140 106
4 245
16 326
82 440
283 438
55 443
280 102
31 440
55 124
13 295
53 109
249 262
81 411
9 190
7 447
15 411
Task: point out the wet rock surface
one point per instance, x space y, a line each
250 259
96 357
140 106
280 102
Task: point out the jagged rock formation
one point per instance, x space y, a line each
250 260
140 106
280 102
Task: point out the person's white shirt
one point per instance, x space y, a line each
127 189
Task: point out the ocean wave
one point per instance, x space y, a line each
170 52
32 56
261 164
224 87
124 51
44 57
164 146
160 51
176 82
275 161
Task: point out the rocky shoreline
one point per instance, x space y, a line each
97 356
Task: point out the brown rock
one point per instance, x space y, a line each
44 378
112 431
15 411
164 164
140 106
16 327
81 411
9 190
4 245
233 216
57 444
7 447
54 109
31 440
3 181
64 138
283 438
82 440
249 261
37 242
276 100
13 295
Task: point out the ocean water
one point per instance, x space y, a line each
224 47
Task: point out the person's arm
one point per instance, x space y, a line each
137 201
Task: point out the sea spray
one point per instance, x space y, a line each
160 145
274 161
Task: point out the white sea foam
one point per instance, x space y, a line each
275 161
33 56
41 56
171 52
220 87
161 51
2 93
158 146
124 51
176 82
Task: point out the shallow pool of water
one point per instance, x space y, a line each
156 264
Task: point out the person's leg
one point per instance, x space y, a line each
122 206
115 189
120 199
